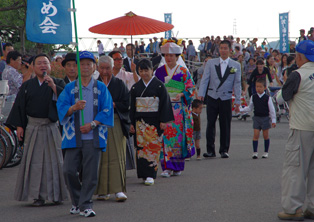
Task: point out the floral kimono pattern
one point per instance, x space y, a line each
147 138
178 137
150 105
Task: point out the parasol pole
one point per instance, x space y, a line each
78 61
132 48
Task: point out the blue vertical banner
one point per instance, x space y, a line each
49 21
168 19
284 32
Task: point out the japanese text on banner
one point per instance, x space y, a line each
284 32
49 21
48 26
168 19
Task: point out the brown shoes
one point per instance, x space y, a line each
308 215
298 216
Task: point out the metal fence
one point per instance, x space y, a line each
90 43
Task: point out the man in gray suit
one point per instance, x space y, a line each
221 77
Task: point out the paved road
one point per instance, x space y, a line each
238 189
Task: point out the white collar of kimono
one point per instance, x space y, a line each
171 71
40 83
148 82
179 62
70 79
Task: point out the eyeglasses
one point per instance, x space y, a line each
118 59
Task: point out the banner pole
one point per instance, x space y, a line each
78 60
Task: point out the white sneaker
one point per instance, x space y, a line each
255 155
187 159
121 197
149 181
88 213
166 173
176 173
74 210
265 155
103 197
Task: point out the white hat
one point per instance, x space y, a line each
170 48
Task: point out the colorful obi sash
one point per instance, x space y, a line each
174 87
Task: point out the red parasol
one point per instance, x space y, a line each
131 24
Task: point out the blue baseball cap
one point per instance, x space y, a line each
266 54
87 55
306 47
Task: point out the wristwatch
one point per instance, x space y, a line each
93 125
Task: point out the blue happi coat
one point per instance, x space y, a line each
103 112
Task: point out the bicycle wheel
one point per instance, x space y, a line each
13 139
3 151
287 110
18 154
9 143
277 108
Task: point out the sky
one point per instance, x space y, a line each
196 19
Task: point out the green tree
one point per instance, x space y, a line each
12 20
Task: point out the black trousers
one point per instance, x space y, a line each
222 108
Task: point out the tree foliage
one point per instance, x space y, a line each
12 19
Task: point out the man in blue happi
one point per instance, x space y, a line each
84 141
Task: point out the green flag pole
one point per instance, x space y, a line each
78 61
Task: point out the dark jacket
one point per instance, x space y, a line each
120 96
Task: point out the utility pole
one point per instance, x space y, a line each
234 26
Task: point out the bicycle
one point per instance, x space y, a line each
9 143
3 151
10 151
4 89
16 153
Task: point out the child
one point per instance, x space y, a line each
150 112
197 106
260 72
263 111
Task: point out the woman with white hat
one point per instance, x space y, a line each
178 141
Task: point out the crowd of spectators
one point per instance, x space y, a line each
255 61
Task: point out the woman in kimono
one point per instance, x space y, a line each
150 112
178 136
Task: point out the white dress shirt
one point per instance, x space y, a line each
272 112
130 61
223 65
